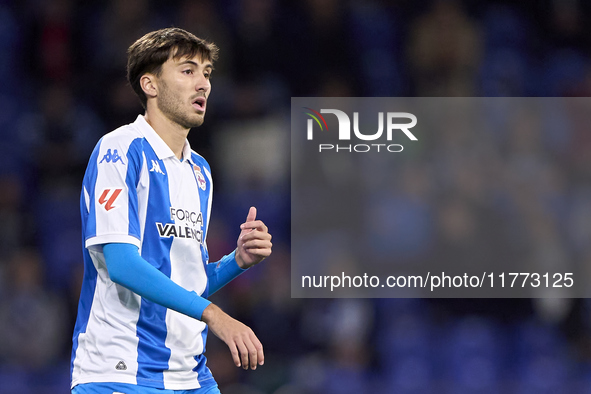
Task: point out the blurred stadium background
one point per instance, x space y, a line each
63 87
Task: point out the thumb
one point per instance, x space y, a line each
252 214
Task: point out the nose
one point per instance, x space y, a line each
203 84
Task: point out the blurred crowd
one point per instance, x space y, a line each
64 87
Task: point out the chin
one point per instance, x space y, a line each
193 120
197 123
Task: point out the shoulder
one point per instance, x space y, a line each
124 141
122 146
124 136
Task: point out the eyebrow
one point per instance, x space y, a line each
205 65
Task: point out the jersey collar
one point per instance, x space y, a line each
162 150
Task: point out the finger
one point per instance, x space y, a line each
252 214
266 252
235 355
255 235
243 354
252 354
259 348
256 224
257 244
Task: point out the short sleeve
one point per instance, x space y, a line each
109 201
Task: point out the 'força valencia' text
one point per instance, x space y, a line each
172 230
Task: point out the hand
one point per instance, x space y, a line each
254 241
245 347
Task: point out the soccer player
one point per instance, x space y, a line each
146 198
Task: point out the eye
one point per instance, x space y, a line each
207 74
188 71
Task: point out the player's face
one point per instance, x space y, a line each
184 87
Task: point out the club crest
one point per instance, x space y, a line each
200 178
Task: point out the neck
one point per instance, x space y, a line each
173 134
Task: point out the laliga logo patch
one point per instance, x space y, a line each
200 178
108 197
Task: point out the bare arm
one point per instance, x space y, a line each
246 349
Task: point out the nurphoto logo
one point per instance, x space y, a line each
394 123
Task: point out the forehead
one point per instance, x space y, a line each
197 60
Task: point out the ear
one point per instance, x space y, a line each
148 84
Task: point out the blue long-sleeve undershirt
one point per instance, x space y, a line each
127 268
222 272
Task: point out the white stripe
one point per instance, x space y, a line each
112 176
143 190
86 199
208 202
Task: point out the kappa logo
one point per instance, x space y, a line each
108 198
156 168
121 366
112 157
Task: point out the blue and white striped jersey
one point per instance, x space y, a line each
137 191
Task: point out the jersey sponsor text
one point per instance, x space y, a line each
172 230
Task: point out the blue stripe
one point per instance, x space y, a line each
134 167
89 183
90 273
153 355
203 372
205 256
84 305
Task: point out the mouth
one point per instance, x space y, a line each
199 104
